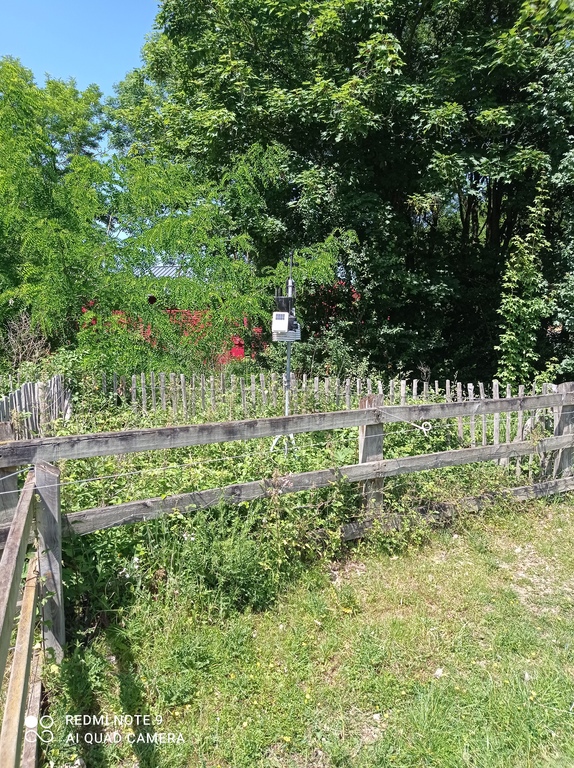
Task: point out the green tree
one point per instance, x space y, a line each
422 127
52 208
162 214
525 301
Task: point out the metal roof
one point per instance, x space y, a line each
170 270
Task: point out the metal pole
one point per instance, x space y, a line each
288 378
290 292
290 286
287 390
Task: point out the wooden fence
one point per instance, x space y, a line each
34 405
520 433
37 509
190 396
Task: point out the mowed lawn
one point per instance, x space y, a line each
458 653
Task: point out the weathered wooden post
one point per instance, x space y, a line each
48 520
8 479
134 393
43 413
564 425
173 392
371 449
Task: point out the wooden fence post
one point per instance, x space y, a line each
162 391
134 393
263 391
371 449
144 393
123 390
8 480
274 390
564 426
183 395
153 391
243 396
173 393
17 693
43 414
48 521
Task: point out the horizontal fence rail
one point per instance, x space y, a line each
164 438
90 520
372 419
101 518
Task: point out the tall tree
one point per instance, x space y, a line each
52 206
423 127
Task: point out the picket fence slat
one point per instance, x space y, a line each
34 405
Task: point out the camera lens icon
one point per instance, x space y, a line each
45 722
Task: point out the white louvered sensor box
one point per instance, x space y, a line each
280 322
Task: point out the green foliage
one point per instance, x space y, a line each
328 353
164 212
395 147
524 300
51 244
419 128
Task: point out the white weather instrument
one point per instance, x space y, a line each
279 324
284 327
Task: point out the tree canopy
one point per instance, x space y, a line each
397 148
421 128
51 203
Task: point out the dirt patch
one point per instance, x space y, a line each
362 729
537 580
278 756
332 670
367 727
343 573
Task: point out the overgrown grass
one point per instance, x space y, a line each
457 653
258 636
160 472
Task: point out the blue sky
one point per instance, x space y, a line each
93 42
